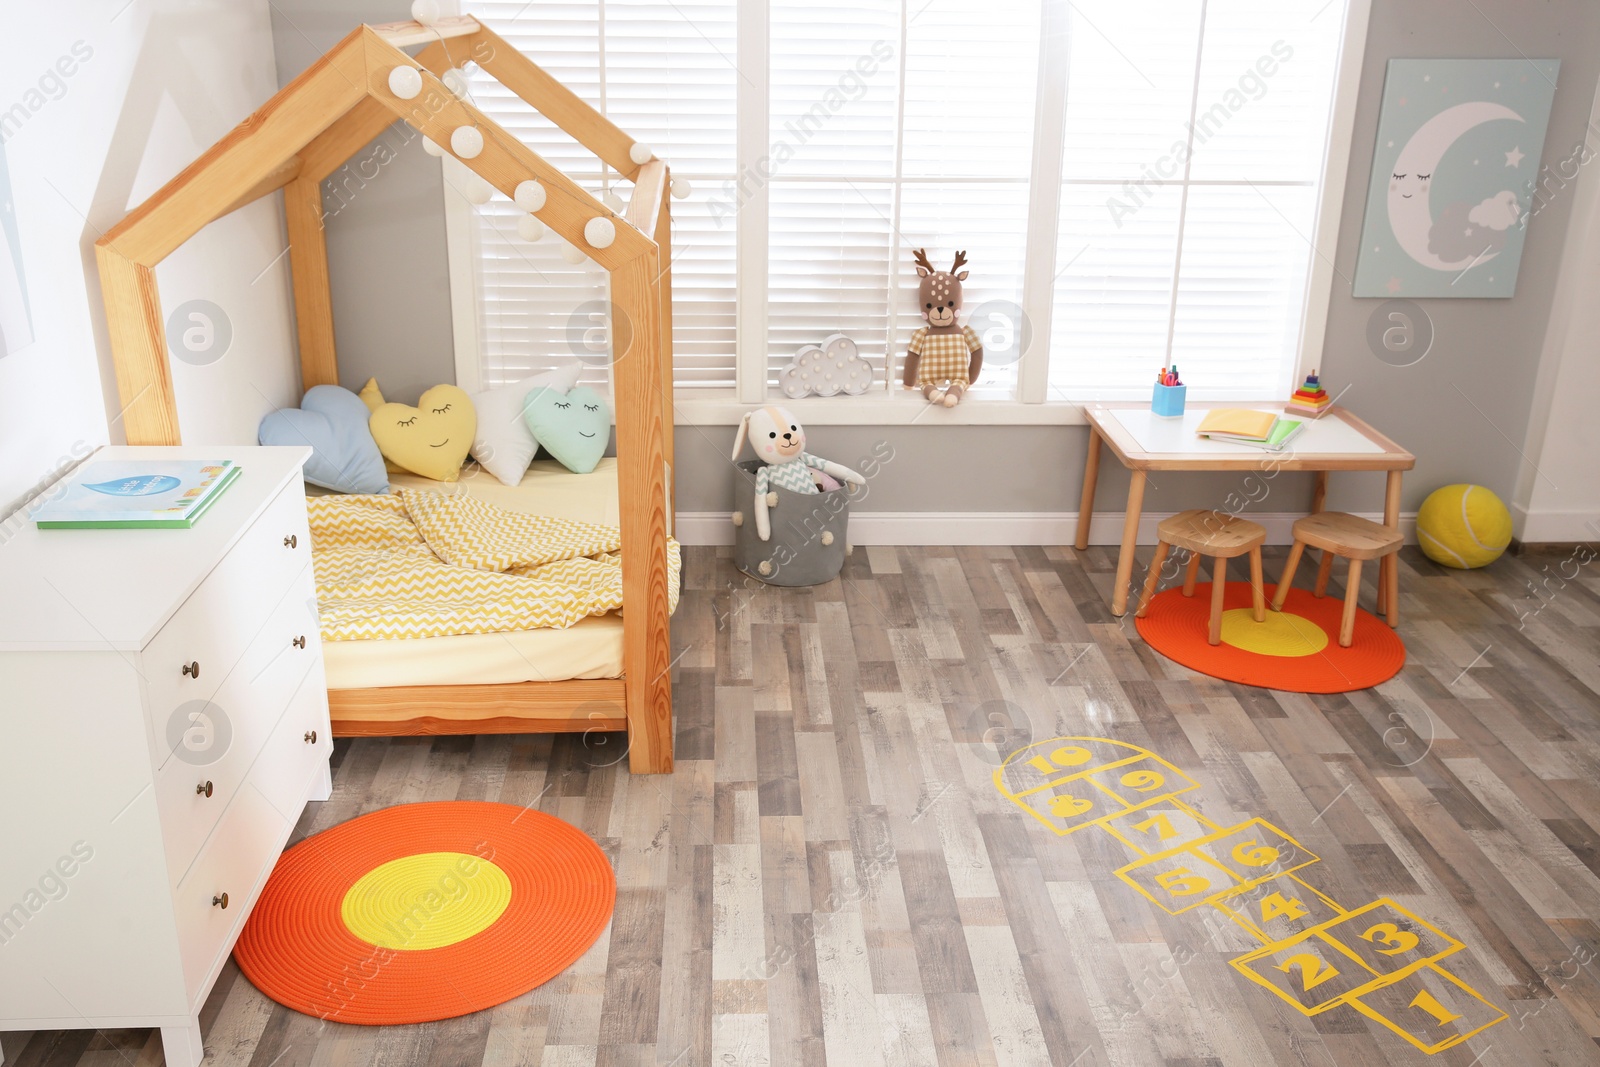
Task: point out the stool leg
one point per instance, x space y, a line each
1219 582
1324 569
1258 593
1383 584
1352 590
1154 578
1282 592
1392 588
1191 573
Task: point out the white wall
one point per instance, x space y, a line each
138 94
1558 488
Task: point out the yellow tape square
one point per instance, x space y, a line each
1279 908
1159 827
1250 852
1431 1008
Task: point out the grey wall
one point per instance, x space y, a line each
385 225
391 306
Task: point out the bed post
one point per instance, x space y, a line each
308 268
641 477
663 236
138 349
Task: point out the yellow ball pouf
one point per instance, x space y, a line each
1463 526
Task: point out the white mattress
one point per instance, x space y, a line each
591 649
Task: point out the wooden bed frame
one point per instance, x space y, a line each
301 136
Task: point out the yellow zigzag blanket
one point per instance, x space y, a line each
421 564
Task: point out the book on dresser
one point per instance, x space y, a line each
153 839
150 494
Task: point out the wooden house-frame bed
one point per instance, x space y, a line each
300 137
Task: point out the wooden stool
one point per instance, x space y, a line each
1208 533
1356 539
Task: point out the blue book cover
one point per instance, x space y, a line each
148 494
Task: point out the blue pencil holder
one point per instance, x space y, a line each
1168 400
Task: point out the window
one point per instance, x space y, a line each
664 71
1133 184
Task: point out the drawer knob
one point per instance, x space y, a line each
291 541
299 642
220 901
311 737
204 788
192 669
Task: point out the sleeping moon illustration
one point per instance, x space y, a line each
1410 217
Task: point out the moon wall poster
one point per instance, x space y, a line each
1453 176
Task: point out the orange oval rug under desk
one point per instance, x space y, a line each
426 911
1296 649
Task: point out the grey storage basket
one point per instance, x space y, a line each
810 533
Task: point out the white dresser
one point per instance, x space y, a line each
163 722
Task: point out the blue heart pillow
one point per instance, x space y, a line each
574 426
333 421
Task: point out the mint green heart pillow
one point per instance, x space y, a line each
574 426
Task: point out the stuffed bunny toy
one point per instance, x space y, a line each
779 442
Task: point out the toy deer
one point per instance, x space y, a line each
943 358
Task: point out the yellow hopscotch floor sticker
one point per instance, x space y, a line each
1379 959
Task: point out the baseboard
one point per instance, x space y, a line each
992 527
1555 527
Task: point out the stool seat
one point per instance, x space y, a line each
1347 535
1212 533
1337 533
1221 536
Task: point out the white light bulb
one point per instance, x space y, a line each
681 188
425 11
478 190
612 200
529 228
466 142
640 153
432 147
600 232
405 82
530 195
572 253
456 82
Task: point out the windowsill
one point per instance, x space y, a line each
719 407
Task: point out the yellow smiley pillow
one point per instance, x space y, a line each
430 439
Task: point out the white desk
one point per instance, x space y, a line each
1335 441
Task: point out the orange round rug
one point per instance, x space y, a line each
1296 650
426 911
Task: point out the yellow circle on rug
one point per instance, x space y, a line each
1282 634
427 900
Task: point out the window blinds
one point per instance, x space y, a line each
1193 139
919 135
664 72
1194 147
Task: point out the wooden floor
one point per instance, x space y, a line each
831 877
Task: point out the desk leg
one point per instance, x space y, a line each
1389 566
1319 493
1091 475
1130 540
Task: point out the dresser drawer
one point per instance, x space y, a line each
236 862
298 749
198 647
192 791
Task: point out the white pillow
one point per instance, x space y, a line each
504 446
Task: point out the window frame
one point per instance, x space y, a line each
1036 401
